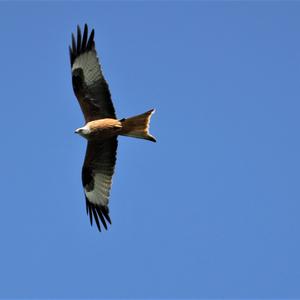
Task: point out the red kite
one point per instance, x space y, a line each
101 127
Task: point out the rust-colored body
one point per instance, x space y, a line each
104 129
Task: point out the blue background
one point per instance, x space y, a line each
212 209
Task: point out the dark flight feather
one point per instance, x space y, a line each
78 39
90 213
74 48
99 211
85 36
105 212
91 43
96 218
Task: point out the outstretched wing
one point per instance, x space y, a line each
97 172
88 81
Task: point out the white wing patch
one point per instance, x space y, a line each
88 61
100 194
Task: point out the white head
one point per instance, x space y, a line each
83 131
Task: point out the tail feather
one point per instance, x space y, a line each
138 126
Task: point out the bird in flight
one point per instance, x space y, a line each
101 127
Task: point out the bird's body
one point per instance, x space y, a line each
107 128
102 126
100 129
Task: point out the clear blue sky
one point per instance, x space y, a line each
212 209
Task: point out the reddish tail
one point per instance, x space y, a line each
138 126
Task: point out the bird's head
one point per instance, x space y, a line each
83 131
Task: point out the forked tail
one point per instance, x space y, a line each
138 126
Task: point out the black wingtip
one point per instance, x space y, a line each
83 43
105 212
85 36
96 218
91 44
98 213
74 45
87 206
78 39
71 55
90 213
